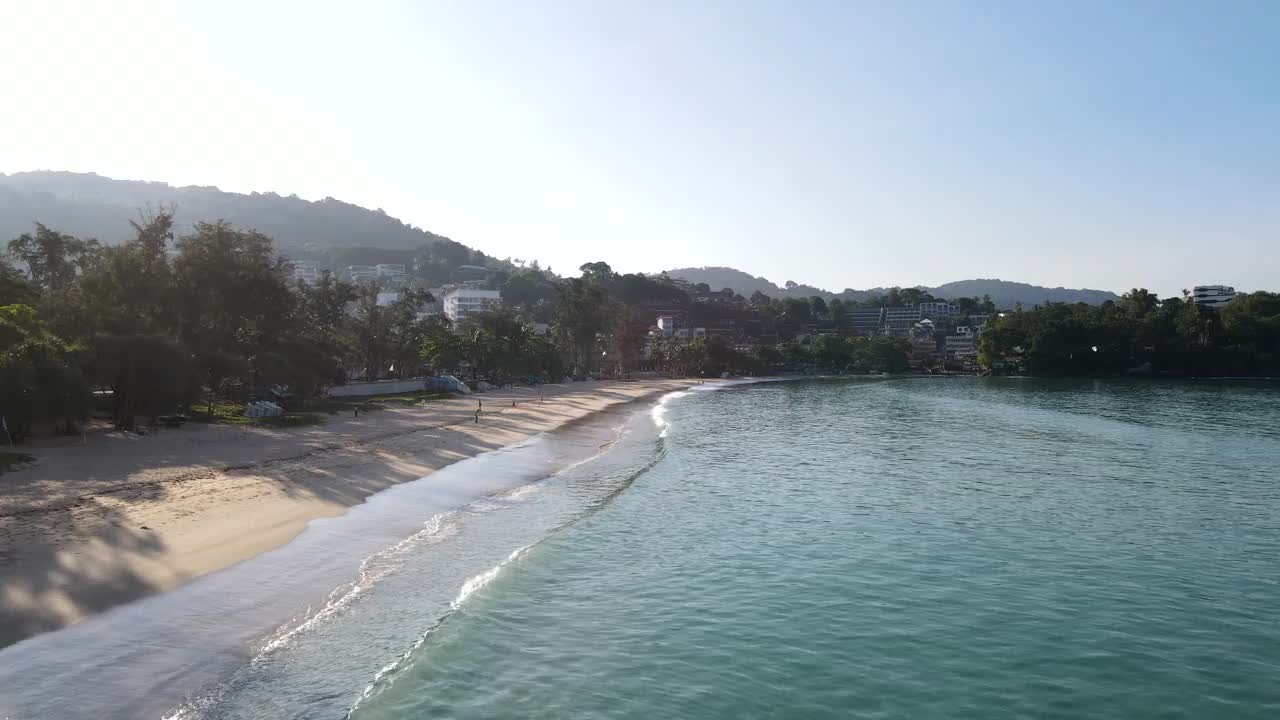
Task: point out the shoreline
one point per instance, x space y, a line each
85 529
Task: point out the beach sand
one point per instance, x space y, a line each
87 528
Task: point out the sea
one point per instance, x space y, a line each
822 548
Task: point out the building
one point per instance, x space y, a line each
1213 296
387 298
923 346
475 273
390 270
938 310
463 302
362 272
904 316
308 271
962 345
666 325
864 321
898 321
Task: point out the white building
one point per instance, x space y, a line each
362 272
308 271
386 298
962 345
390 270
1213 296
464 302
666 325
933 310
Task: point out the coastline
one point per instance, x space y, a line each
85 529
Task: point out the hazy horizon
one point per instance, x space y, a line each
837 145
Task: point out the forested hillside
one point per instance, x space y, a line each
90 205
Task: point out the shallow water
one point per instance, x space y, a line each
910 548
899 548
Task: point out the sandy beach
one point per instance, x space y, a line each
86 528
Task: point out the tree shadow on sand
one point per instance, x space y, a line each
45 585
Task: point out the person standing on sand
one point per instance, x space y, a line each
356 410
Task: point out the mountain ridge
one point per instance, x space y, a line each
1004 293
92 205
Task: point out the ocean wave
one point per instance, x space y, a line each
375 567
659 411
385 677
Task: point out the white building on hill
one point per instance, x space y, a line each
1214 296
308 271
464 302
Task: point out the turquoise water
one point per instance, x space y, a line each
901 548
906 549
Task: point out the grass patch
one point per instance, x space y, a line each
288 420
228 413
10 460
370 403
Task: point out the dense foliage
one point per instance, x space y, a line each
1140 334
181 321
186 320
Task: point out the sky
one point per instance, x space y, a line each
843 144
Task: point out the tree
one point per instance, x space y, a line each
1139 302
582 311
14 288
441 347
628 335
832 352
597 273
913 296
796 312
836 310
527 288
231 290
818 307
39 378
880 353
149 374
498 345
53 260
388 337
221 371
132 286
323 306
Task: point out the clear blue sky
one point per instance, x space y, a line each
842 144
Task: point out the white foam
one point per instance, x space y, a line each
374 568
659 412
387 675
